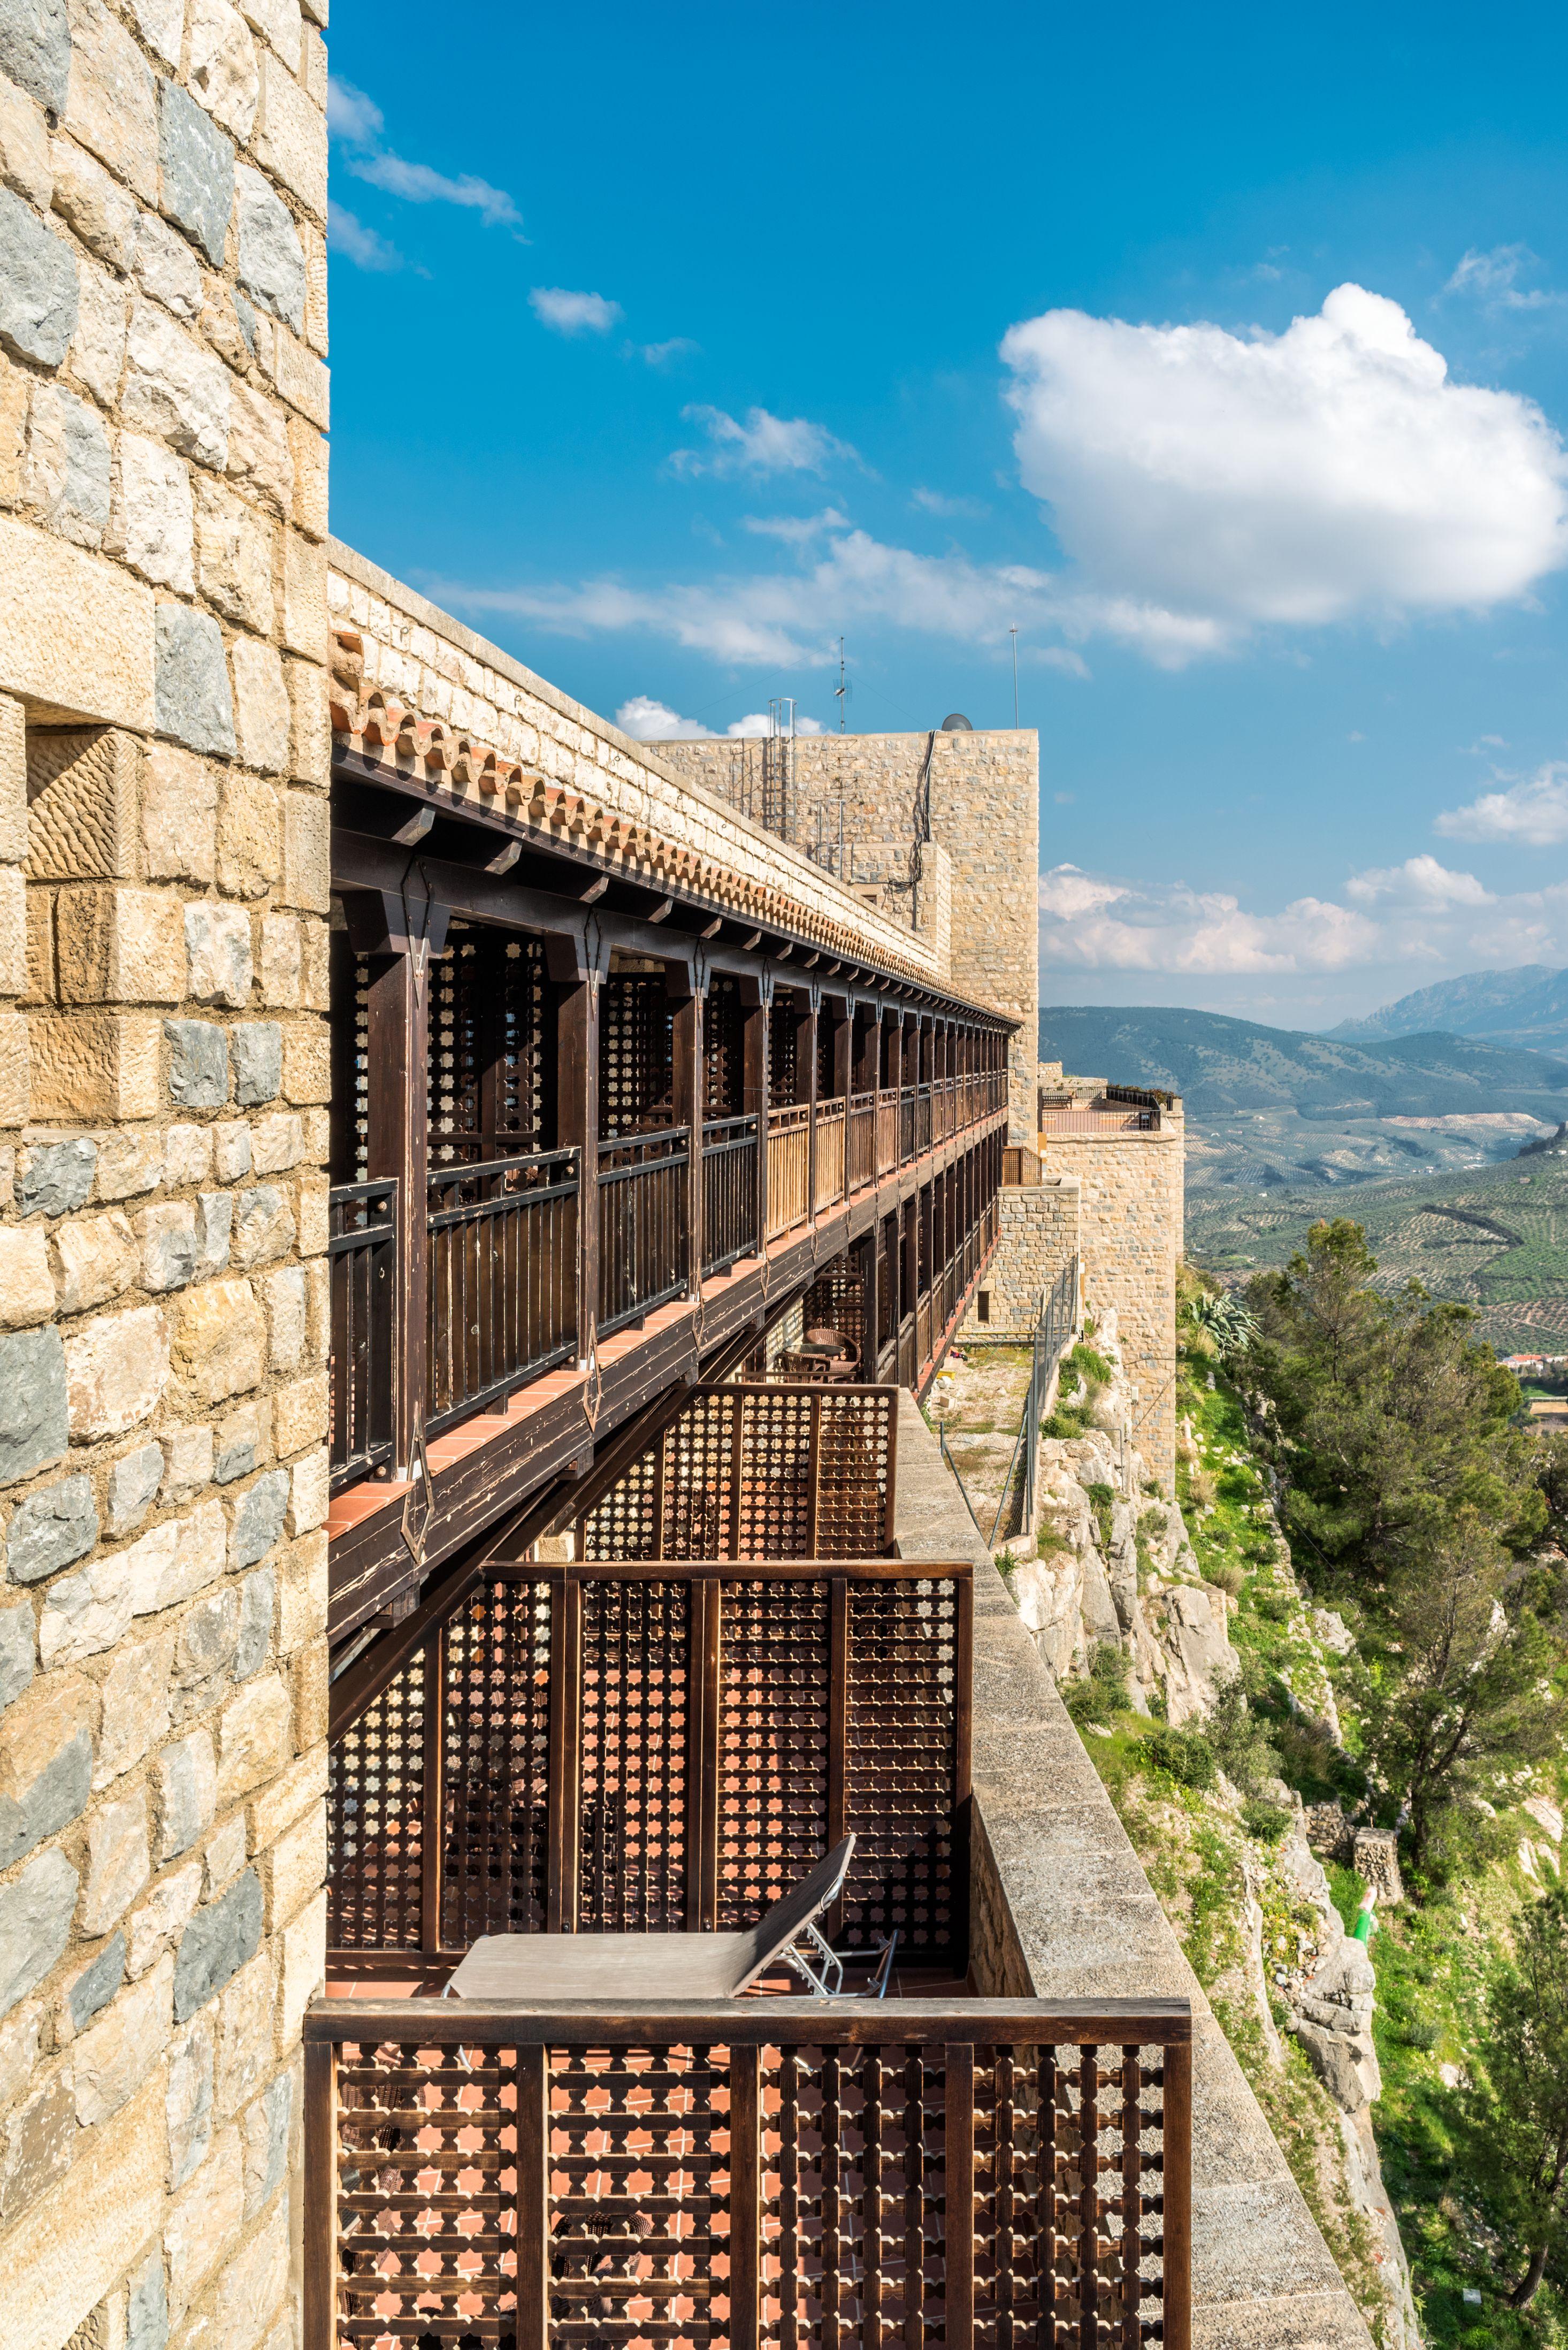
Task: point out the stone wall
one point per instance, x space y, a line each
1039 1231
984 799
163 1076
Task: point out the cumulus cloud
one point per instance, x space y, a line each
1492 279
573 313
657 355
796 530
1534 811
356 121
357 244
1205 484
762 444
1418 915
936 502
647 720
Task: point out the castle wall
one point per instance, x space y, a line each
1039 1231
163 1077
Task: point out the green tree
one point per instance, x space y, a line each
1519 2117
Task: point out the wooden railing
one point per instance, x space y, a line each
729 1192
503 1278
644 1220
828 1188
789 1165
362 1255
1099 1121
759 2174
862 1144
611 1747
886 1130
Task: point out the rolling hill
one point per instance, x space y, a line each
1527 1007
1272 1107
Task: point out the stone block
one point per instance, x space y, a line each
310 1678
80 629
265 2131
153 525
281 1296
277 1807
15 1074
258 1519
295 1867
178 814
18 1642
255 2286
132 1484
260 463
36 49
25 147
302 1588
96 1259
244 2035
277 1141
167 269
256 1047
168 1236
147 2300
241 1440
255 1737
39 2143
54 1178
209 1635
226 1857
162 25
309 452
303 380
26 1289
280 967
112 2060
215 1227
99 1065
218 941
193 701
15 388
187 1156
290 139
121 946
249 858
19 2051
82 820
306 1062
198 1055
135 1707
100 211
261 707
197 165
15 946
130 1161
37 286
66 474
223 66
46 1763
116 1371
110 100
232 1151
86 1613
258 1603
300 1413
175 387
264 1226
52 1528
279 22
98 347
303 1966
189 2103
162 1918
219 1940
96 1985
76 2241
306 858
236 550
35 1429
36 1922
204 2221
198 1559
304 595
272 260
185 1793
12 776
220 1348
310 757
118 1864
188 1463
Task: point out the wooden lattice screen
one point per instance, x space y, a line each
837 1300
592 1749
768 2175
723 1049
636 1052
489 1047
758 1471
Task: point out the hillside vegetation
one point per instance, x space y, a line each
1528 1007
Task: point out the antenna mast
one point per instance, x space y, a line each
842 690
1013 632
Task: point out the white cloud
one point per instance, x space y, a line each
1534 811
573 313
648 720
1419 881
762 444
1491 278
796 530
356 122
936 502
660 354
1206 483
359 244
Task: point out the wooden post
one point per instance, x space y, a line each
320 2200
577 1124
745 2198
686 1104
957 2169
754 1091
432 1825
1177 2196
532 2210
565 1754
808 1029
396 1121
837 1730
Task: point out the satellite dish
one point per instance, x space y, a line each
955 722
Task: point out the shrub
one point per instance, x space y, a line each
1265 1820
1103 1691
1102 1498
1228 1574
1184 1755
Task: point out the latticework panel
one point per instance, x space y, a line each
853 1469
774 1520
773 1745
624 1523
496 1764
836 1301
376 1776
636 1052
350 978
487 1046
636 1649
427 2199
640 2219
699 1479
723 1039
899 1769
783 1056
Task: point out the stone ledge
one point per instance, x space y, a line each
1262 2277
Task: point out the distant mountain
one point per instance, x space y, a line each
1270 1107
1526 1007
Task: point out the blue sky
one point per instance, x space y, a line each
669 345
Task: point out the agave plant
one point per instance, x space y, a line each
1224 1320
